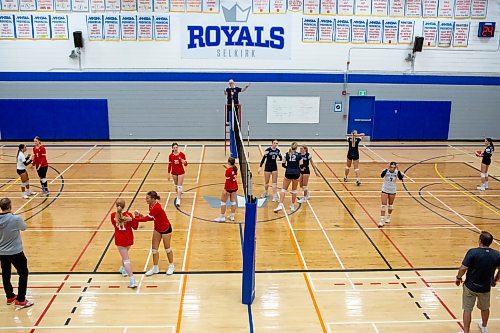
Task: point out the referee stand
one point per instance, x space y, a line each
229 129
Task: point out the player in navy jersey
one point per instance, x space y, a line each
292 163
271 156
353 154
485 162
305 172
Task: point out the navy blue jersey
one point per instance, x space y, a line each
488 151
292 163
232 95
305 161
353 146
270 157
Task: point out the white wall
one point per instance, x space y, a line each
481 56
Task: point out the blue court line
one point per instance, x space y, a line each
250 317
269 77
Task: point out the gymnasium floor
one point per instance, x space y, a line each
325 268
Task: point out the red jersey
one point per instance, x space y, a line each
124 237
158 215
175 164
40 157
231 182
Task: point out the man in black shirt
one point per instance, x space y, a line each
232 97
480 264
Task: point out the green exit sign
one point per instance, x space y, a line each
361 92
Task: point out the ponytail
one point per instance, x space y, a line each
153 195
120 220
293 148
19 148
232 163
490 141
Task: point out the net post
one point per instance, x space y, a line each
232 139
248 279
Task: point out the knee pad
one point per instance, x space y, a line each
179 188
154 251
275 186
283 191
43 180
305 188
383 208
347 168
233 203
222 203
169 250
24 184
391 207
356 170
293 192
126 261
483 175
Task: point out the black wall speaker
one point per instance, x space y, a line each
78 39
417 45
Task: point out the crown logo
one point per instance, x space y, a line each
236 13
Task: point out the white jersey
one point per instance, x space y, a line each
389 185
20 161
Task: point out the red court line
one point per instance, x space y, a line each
391 241
42 315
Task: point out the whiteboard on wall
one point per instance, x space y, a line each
292 110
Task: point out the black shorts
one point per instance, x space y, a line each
388 193
292 176
486 161
305 171
231 191
20 172
271 168
353 157
42 171
169 231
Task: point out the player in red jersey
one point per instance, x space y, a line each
230 189
124 238
176 163
40 163
162 231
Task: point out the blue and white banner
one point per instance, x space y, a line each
363 7
461 34
406 29
45 5
342 30
236 34
295 5
9 5
192 6
311 7
328 7
59 27
462 9
345 7
111 28
429 8
397 8
445 33
177 6
162 28
210 6
144 28
358 31
413 8
380 7
260 6
7 27
62 5
95 30
429 32
309 30
278 6
478 9
27 5
41 26
114 5
128 27
80 5
97 5
374 33
326 30
445 8
131 5
390 34
24 27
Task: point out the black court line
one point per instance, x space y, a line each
130 205
355 219
47 197
478 170
280 271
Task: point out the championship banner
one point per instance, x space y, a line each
59 27
445 8
363 7
261 6
192 6
128 27
295 5
311 7
147 5
309 30
27 5
210 6
45 5
162 28
130 5
429 33
390 33
41 26
358 31
326 30
328 7
406 30
7 27
144 28
24 27
114 5
277 6
380 7
95 28
396 8
111 27
413 8
429 8
462 9
177 6
345 7
97 5
80 5
445 34
9 6
342 31
478 9
461 34
374 33
62 5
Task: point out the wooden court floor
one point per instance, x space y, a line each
325 268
